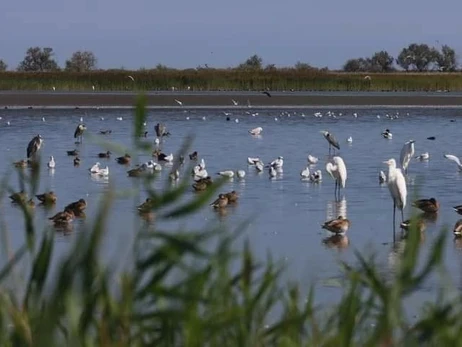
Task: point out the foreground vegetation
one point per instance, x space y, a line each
228 80
199 288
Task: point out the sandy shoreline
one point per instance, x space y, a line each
222 100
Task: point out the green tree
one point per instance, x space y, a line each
38 59
418 57
254 63
357 65
303 66
447 60
382 62
3 65
81 61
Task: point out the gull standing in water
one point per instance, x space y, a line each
337 170
398 189
407 152
331 139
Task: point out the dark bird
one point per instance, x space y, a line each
146 206
427 205
79 131
18 198
124 160
47 198
77 207
161 130
145 134
221 202
76 161
267 94
21 164
193 155
232 197
73 152
458 209
104 155
431 138
331 139
34 146
105 132
63 217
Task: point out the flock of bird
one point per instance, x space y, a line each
335 168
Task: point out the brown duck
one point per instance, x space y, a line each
73 153
63 218
105 155
77 207
48 198
105 132
146 206
337 226
232 197
21 164
19 197
126 159
202 184
221 202
427 205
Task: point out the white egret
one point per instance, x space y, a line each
337 170
407 152
397 187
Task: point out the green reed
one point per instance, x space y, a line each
230 79
205 287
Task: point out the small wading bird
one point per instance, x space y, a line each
337 226
331 139
79 132
407 152
337 170
34 146
398 190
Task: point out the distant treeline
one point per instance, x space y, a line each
418 67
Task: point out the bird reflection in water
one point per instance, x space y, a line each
337 241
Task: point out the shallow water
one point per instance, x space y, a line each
287 213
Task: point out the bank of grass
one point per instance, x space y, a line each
231 79
205 288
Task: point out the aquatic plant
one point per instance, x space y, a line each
200 287
229 79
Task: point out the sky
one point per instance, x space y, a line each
188 33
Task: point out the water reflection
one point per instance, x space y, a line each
99 179
51 172
336 241
334 209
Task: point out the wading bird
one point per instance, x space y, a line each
79 132
34 146
398 190
331 139
407 152
337 170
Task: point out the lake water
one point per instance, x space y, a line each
287 213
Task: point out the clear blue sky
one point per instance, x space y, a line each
188 33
